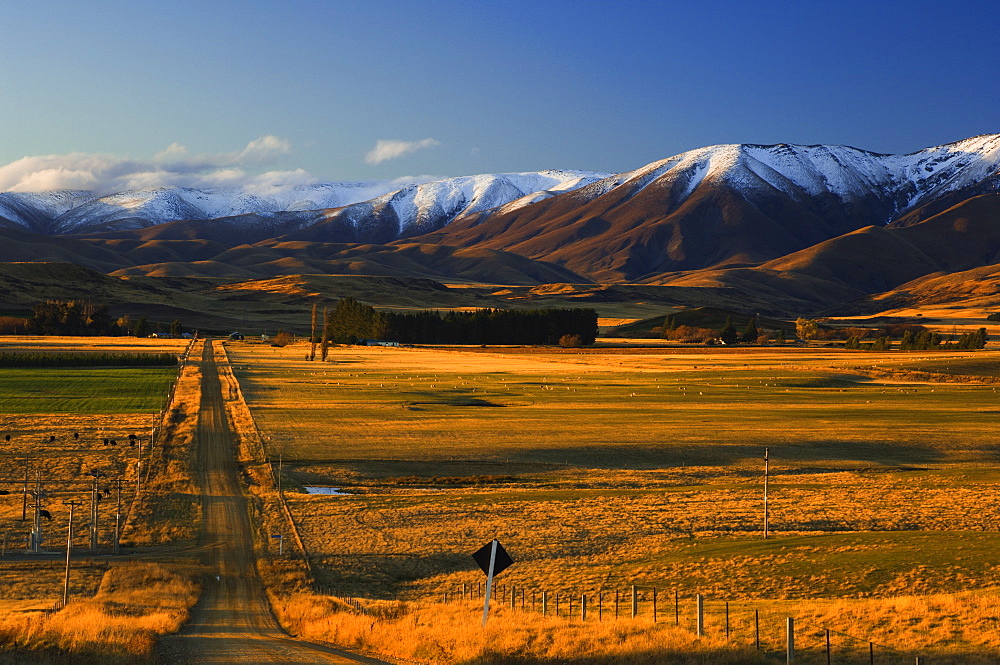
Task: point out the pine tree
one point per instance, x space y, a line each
325 345
750 334
312 334
882 344
728 333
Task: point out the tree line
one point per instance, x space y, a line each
85 318
350 321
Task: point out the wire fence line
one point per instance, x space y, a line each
741 624
159 421
257 439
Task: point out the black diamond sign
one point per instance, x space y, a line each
502 562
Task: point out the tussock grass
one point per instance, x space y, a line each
451 633
135 603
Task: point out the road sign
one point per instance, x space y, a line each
493 559
500 564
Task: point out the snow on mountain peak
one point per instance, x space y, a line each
897 182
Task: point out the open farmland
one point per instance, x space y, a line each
599 469
57 420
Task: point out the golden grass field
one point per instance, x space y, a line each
57 426
599 469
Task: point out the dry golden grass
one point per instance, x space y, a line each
599 470
451 633
115 612
169 508
943 629
46 343
135 603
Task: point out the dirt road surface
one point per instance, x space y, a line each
232 622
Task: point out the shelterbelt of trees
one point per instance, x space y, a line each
350 321
79 317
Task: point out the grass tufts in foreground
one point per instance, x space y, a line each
135 603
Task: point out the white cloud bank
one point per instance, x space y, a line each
385 150
173 167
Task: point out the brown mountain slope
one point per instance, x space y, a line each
277 257
639 229
962 237
18 246
873 260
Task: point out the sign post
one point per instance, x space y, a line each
493 559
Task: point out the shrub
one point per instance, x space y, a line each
570 341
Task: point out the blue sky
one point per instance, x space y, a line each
224 91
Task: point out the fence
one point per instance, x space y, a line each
236 396
738 624
159 420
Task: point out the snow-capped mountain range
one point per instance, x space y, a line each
882 187
416 205
903 182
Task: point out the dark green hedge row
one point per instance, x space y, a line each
87 359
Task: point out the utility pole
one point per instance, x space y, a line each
36 531
138 466
24 500
69 548
279 476
95 498
118 516
765 493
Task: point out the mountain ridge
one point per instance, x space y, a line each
806 228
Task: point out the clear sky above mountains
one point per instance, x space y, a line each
225 92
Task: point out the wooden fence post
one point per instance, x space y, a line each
677 607
654 604
600 606
635 601
583 608
700 600
545 603
789 640
756 628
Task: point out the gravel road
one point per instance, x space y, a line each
232 622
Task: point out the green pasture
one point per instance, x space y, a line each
84 390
